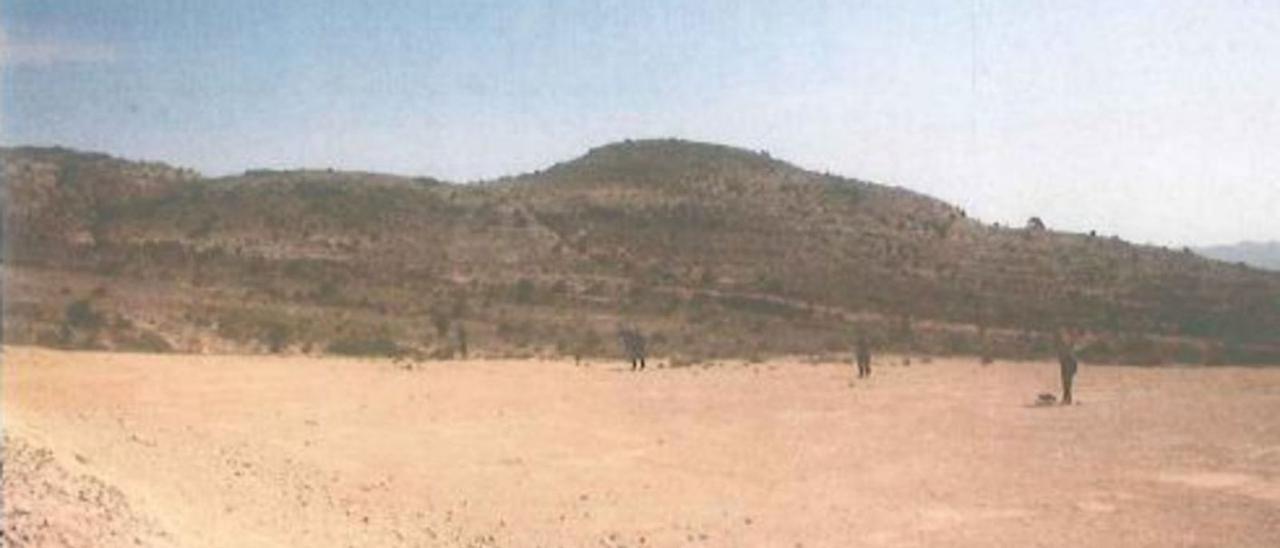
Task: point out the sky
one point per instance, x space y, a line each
1155 120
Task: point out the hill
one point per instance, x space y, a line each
1258 254
714 251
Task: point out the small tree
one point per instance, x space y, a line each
1035 223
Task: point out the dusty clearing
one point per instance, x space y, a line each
255 451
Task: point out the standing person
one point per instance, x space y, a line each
639 350
1069 363
633 344
862 354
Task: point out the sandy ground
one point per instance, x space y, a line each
125 450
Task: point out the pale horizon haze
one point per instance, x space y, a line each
1158 121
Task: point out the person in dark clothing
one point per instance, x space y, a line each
862 354
1069 364
1067 359
633 344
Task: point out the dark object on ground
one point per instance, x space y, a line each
1046 399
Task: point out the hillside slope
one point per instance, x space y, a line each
1259 254
713 250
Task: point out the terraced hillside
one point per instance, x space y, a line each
711 250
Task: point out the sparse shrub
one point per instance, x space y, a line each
707 278
374 346
1139 350
840 191
53 338
519 334
762 306
638 293
565 348
80 326
560 287
956 343
144 341
440 321
121 322
268 327
81 315
684 361
462 340
1185 352
768 284
833 343
523 291
326 293
277 336
903 333
590 343
1098 350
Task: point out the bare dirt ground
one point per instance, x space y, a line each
124 450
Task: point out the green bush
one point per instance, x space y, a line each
81 315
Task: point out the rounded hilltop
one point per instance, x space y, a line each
657 160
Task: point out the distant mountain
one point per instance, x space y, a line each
1259 254
711 250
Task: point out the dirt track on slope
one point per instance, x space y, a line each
161 450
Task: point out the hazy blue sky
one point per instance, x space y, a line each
1158 120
